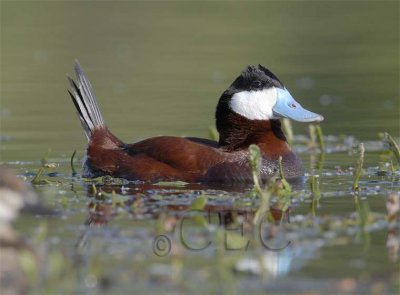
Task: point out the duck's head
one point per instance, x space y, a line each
257 94
252 105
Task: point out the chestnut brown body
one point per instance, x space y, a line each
188 159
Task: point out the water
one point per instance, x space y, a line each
159 68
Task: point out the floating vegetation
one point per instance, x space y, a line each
171 183
121 219
39 178
359 168
108 180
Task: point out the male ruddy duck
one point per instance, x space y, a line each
247 113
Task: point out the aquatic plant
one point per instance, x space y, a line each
39 178
320 137
72 163
393 146
359 168
316 137
277 186
263 193
171 183
315 193
255 166
286 188
343 228
288 129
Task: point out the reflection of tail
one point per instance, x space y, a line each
85 102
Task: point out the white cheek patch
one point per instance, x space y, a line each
254 105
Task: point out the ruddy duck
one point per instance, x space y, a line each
247 113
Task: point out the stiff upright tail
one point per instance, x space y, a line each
83 97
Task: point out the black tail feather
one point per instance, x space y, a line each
85 102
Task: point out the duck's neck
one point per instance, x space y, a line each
238 133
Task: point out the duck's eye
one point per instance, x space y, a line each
292 105
257 84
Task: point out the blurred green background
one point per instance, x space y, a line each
160 67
